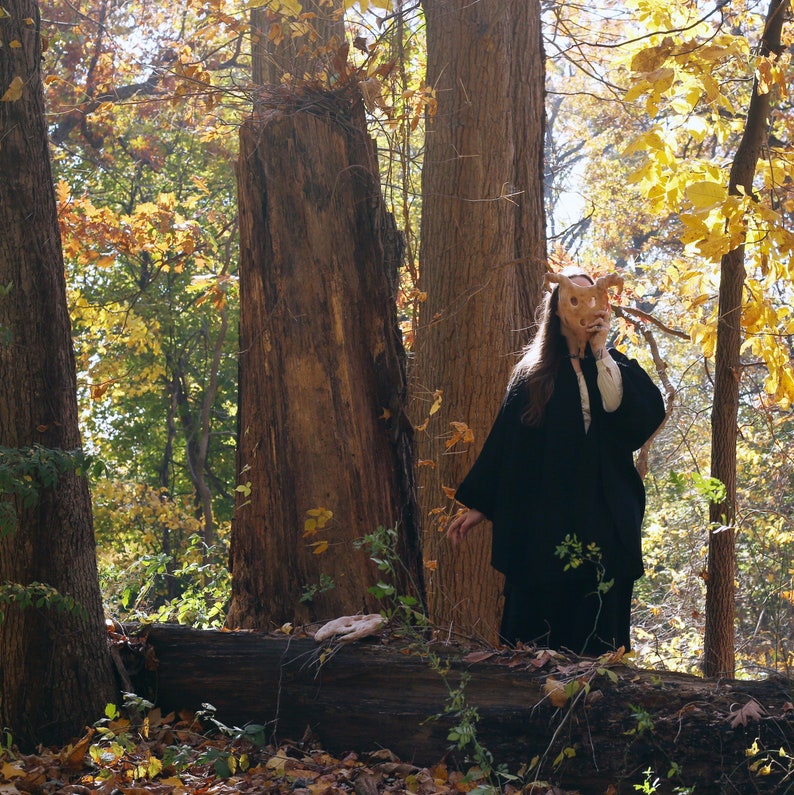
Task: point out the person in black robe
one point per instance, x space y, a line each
556 478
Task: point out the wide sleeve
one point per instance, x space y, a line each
610 383
479 488
641 410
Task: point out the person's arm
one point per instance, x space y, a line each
478 489
641 410
610 382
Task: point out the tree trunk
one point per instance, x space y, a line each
322 383
719 655
482 262
366 696
55 670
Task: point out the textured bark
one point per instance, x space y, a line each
482 258
322 380
368 696
719 654
55 672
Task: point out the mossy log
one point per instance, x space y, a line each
616 722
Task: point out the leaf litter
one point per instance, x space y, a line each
174 755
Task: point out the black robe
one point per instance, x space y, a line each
539 485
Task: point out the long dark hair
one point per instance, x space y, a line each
539 364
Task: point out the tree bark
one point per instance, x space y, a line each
322 380
55 669
482 263
719 653
371 694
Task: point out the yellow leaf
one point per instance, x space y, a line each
706 194
661 79
278 761
384 4
651 58
14 91
764 75
4 14
244 489
319 547
62 191
436 401
10 771
15 44
309 527
637 90
694 228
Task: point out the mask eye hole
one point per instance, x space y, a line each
574 301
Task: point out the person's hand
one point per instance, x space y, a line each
599 331
466 520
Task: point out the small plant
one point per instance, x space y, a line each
573 552
202 580
311 592
225 762
38 595
26 471
644 721
7 743
382 548
650 785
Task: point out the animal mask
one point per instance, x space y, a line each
578 305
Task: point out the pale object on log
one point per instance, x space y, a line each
350 627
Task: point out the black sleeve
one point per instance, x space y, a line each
478 489
641 410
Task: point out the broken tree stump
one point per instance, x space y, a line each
589 725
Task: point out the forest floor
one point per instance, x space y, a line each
169 755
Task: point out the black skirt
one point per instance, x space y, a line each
569 614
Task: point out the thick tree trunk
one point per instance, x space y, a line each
322 383
55 672
367 696
719 654
482 262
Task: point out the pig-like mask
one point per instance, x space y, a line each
578 305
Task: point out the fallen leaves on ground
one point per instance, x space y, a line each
169 755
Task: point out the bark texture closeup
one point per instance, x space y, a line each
322 372
482 264
719 653
55 671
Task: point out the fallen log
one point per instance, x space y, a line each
588 726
